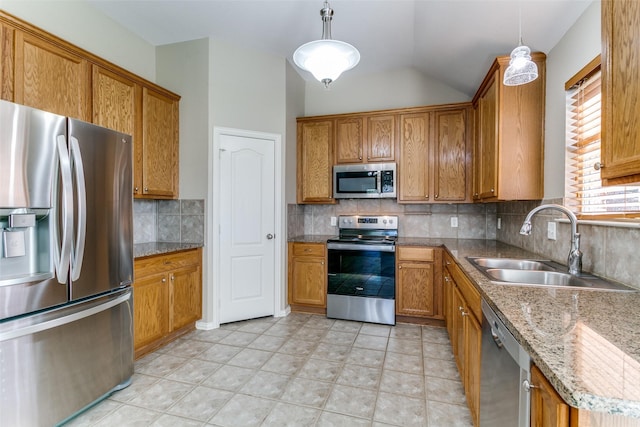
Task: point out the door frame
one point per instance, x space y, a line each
211 294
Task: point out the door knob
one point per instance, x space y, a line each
270 236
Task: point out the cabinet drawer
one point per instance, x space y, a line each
161 263
309 249
416 253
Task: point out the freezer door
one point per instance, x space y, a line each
102 255
56 363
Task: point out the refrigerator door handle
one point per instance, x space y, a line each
63 249
81 209
53 323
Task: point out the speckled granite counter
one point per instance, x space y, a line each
312 238
157 248
586 342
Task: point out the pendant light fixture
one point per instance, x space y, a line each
521 69
326 59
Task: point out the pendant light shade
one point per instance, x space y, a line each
326 59
521 68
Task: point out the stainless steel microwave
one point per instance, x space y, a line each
365 181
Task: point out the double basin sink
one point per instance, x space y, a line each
528 272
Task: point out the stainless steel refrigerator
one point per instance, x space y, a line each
66 265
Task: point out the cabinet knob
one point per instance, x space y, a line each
135 189
322 262
446 278
493 191
597 166
527 386
436 196
399 267
164 280
172 277
146 189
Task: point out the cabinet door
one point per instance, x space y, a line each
457 340
308 276
159 145
450 157
487 152
620 143
315 162
116 105
151 309
413 169
51 78
473 344
415 289
548 409
349 140
186 296
381 132
448 302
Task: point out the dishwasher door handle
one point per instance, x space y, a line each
496 339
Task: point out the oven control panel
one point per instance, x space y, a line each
384 222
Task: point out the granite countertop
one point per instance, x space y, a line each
586 342
158 248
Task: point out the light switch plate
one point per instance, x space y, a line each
334 221
551 230
454 222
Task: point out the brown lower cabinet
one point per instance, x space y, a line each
167 298
418 283
308 277
463 319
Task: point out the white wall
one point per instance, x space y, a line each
575 50
394 89
248 88
81 24
184 69
295 108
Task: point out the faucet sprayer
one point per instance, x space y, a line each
575 256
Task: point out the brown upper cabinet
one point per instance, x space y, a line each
509 145
435 155
620 143
42 71
51 78
315 161
365 139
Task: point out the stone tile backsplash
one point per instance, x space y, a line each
475 221
178 221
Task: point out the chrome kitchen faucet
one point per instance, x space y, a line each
575 256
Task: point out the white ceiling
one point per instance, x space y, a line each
453 41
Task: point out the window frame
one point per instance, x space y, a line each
588 71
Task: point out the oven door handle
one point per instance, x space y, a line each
361 247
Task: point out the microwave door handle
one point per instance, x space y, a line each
379 182
81 209
63 249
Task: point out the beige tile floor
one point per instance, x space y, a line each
299 370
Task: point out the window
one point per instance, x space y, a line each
584 192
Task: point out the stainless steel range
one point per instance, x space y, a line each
362 267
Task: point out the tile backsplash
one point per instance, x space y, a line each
168 221
475 221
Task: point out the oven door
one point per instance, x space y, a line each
361 282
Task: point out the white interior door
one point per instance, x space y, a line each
247 224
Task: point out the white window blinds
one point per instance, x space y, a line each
584 192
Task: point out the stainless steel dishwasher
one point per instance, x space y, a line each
505 366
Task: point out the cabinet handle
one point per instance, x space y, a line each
527 386
597 166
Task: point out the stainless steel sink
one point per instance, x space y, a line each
512 264
526 272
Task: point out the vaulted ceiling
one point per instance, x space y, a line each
453 41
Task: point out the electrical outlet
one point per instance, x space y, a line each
499 223
551 230
454 222
334 221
